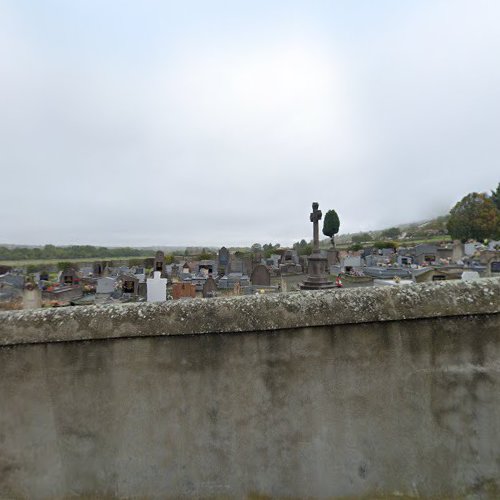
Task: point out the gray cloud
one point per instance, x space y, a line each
209 143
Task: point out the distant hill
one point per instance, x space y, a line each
429 229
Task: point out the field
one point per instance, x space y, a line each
403 243
42 262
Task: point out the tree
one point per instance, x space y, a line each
361 237
355 247
66 266
169 258
135 262
391 233
303 248
495 197
206 255
474 217
269 249
385 244
331 225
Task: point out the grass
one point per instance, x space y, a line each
403 243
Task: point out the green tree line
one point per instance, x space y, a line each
69 252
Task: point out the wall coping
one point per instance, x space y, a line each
251 313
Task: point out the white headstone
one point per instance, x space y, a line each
470 276
156 288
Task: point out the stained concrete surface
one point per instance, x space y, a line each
360 410
407 407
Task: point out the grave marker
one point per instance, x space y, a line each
32 297
260 276
209 288
156 288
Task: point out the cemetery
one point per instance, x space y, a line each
234 273
199 341
336 380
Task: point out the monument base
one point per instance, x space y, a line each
318 278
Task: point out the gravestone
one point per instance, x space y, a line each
32 297
260 276
130 284
469 249
332 256
223 260
495 267
183 291
105 285
156 288
69 277
235 265
470 276
175 271
159 263
317 273
209 288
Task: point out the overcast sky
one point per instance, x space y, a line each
220 122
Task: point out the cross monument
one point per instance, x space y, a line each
317 278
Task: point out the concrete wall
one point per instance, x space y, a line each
362 392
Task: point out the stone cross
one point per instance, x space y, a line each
315 218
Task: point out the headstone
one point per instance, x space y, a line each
156 288
495 267
97 268
69 277
470 276
350 262
223 258
470 249
237 288
183 290
175 271
159 263
260 276
105 285
32 297
130 284
209 288
332 256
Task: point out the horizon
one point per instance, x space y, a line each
217 246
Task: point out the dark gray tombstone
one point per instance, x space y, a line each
159 263
223 260
130 284
69 277
209 288
260 276
98 268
